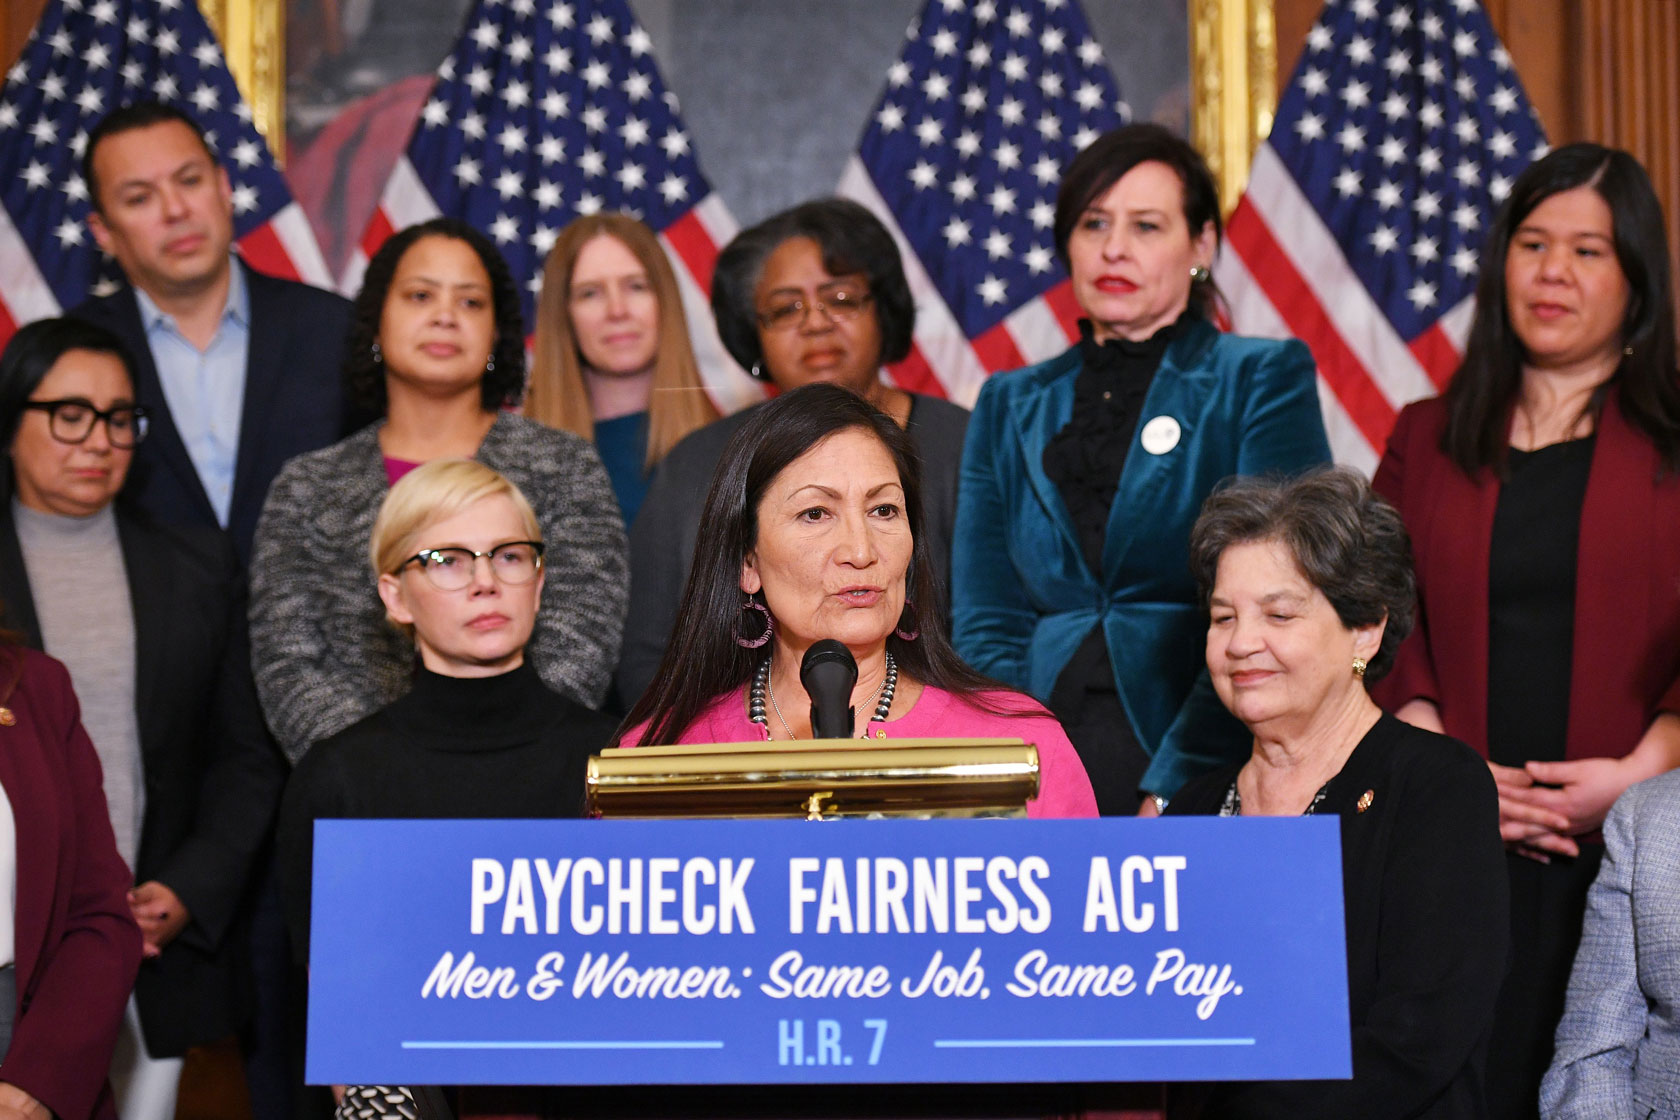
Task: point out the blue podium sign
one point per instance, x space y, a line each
754 952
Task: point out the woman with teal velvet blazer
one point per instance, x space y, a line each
1082 476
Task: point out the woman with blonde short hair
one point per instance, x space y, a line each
611 360
458 562
457 557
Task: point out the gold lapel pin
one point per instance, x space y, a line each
1365 800
6 717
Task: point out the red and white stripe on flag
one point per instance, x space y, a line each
1284 276
944 362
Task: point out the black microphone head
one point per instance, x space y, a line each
828 651
829 673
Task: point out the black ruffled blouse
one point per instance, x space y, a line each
1086 457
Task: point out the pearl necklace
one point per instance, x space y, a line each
761 686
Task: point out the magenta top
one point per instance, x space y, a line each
396 468
1063 788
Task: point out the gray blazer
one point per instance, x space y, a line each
1618 1046
324 655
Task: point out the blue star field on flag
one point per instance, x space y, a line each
1405 126
986 106
85 58
545 112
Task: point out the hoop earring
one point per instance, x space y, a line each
908 631
1359 667
742 639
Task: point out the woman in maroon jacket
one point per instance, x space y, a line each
1542 493
74 948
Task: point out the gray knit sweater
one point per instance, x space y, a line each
323 653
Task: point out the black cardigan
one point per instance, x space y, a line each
1423 883
213 776
502 747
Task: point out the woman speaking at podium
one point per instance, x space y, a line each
457 554
811 532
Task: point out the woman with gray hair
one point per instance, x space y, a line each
1309 591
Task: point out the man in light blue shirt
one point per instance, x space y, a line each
205 387
239 372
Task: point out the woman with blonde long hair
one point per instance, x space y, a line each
612 361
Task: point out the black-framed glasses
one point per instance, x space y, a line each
451 569
71 420
841 302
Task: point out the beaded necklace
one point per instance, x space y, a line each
761 686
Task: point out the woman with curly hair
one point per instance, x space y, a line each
816 293
437 346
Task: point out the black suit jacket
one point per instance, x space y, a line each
212 774
1427 923
294 401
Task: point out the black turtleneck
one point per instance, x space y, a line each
454 747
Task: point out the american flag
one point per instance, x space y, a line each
545 112
85 58
1362 226
986 105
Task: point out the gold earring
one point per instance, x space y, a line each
1359 667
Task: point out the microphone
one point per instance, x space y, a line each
829 673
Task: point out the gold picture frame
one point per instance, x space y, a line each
1233 86
1233 76
253 33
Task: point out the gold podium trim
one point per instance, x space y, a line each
822 779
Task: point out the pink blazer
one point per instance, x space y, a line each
1063 788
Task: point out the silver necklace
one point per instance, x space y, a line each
882 697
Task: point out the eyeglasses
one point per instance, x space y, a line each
71 421
452 569
840 302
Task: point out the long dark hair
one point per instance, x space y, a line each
1107 160
702 660
364 374
1482 393
34 350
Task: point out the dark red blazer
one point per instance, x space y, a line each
1626 660
76 946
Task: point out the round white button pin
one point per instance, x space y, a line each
1160 435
